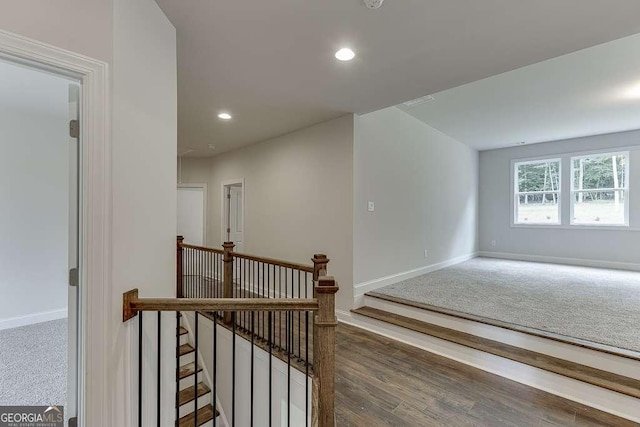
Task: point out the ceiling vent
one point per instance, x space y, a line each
418 101
373 4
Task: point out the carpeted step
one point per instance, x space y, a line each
187 395
188 370
205 414
597 377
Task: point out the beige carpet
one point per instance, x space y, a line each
597 305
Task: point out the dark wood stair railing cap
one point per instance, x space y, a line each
320 262
131 304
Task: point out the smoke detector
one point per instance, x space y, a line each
418 101
373 4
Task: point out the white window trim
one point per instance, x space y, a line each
625 190
515 193
566 156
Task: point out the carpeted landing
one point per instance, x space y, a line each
33 364
593 304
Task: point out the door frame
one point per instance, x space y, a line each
223 204
95 286
204 214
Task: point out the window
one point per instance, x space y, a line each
599 189
537 192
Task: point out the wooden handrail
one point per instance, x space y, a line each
131 304
272 261
200 248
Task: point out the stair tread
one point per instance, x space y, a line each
186 395
597 377
183 330
205 414
188 370
185 349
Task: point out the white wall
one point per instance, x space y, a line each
563 244
81 26
138 42
144 196
298 196
424 186
34 196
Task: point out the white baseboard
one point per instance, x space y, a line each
578 391
361 288
561 260
45 316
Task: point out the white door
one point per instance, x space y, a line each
234 215
191 214
74 275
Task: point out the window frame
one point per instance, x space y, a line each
515 193
573 191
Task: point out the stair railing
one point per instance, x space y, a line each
284 308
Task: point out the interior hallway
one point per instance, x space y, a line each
382 382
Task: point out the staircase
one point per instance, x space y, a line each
189 373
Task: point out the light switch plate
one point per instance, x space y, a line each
371 206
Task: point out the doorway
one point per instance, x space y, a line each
192 211
39 256
233 213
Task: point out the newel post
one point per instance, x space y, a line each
227 278
324 359
320 262
179 266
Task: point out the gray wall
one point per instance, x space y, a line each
619 246
424 186
34 197
298 196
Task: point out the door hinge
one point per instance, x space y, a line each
74 279
74 129
73 422
228 230
228 195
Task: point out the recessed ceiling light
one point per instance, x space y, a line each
224 116
212 147
521 143
345 54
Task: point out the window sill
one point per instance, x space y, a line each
576 227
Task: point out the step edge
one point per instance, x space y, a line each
206 391
214 414
635 393
602 348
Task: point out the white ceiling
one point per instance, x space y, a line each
590 92
270 63
29 91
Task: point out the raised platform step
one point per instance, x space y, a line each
629 354
187 395
604 379
205 414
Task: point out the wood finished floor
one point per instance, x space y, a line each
382 382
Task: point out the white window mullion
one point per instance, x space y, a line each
566 196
